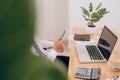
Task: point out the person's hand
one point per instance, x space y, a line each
59 46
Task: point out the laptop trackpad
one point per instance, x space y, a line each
83 53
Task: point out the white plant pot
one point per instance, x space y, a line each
90 30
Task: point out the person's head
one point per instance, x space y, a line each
16 26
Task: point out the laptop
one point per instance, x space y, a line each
100 52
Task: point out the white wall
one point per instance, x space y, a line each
111 19
51 18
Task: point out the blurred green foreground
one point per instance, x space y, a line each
16 37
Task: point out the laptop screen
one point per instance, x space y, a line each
107 42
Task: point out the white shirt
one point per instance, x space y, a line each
51 55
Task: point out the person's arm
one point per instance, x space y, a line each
57 47
52 55
46 44
39 45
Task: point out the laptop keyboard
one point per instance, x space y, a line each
94 53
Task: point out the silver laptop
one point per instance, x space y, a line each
101 51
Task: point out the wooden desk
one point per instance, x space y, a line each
106 72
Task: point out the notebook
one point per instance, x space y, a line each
100 52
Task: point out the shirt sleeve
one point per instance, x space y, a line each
46 43
52 55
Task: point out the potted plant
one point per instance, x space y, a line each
93 15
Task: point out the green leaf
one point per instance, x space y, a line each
85 17
90 7
95 17
102 12
85 11
100 4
